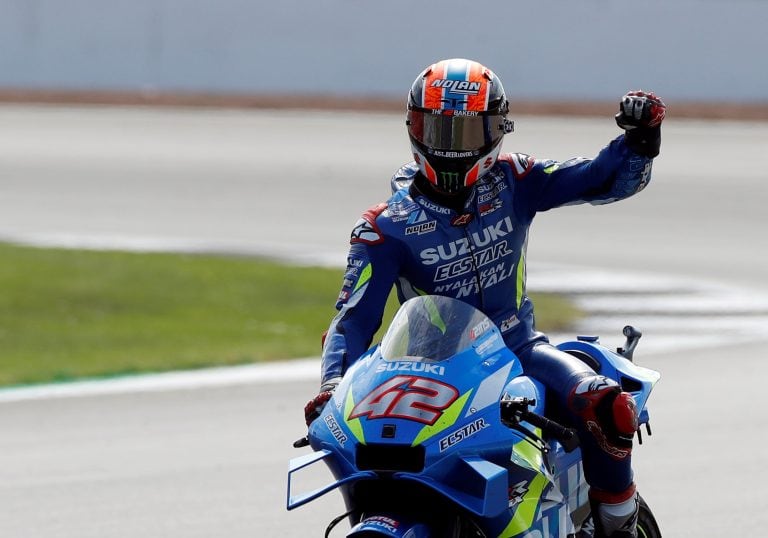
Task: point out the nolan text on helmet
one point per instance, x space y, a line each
458 86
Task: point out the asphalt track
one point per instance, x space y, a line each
211 461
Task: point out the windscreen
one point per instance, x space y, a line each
433 328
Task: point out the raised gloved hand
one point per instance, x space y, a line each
640 115
315 406
640 109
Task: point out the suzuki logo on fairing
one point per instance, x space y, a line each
401 366
460 247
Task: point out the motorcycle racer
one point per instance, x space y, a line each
457 225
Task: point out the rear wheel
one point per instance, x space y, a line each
646 522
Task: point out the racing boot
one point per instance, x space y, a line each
614 516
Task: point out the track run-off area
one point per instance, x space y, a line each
205 453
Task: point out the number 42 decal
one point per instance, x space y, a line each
409 397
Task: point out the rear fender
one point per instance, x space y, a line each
636 380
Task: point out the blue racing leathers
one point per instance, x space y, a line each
476 255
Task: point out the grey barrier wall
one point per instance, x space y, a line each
542 49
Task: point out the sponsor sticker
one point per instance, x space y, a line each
463 266
402 210
508 323
384 522
434 207
486 344
491 194
462 220
465 87
351 276
365 232
423 228
517 493
406 366
460 247
489 181
336 431
486 209
522 164
452 154
462 434
479 329
465 287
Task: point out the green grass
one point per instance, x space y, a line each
67 314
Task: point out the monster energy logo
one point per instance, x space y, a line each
450 181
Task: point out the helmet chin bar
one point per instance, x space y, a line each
454 181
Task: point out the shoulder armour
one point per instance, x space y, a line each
521 163
403 177
366 230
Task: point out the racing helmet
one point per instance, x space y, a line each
457 118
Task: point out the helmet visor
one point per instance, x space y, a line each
455 133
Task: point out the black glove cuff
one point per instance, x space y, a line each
645 141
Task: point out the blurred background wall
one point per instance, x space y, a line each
542 49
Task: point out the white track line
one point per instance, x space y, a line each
277 372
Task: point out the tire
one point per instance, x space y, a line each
647 527
646 524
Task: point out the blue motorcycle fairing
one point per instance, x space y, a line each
488 359
402 422
488 497
474 414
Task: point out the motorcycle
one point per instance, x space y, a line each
437 432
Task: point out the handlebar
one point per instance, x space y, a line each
515 410
633 337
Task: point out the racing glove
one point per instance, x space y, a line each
640 115
315 406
